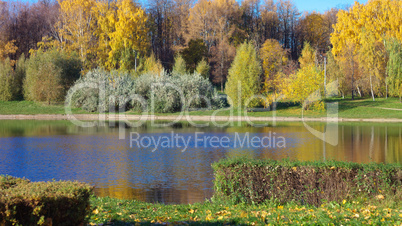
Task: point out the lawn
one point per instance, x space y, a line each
112 211
33 108
347 108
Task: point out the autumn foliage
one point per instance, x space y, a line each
357 47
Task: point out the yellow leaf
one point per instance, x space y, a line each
191 211
96 211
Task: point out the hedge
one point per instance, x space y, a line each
257 181
43 203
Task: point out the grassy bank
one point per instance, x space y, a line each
358 212
360 108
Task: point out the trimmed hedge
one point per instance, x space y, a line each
257 181
43 203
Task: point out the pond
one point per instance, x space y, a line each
173 164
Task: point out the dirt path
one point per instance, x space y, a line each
105 117
393 109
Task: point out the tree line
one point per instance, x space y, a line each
295 52
114 33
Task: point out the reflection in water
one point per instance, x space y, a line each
45 150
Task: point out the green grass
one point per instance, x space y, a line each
359 108
130 212
33 108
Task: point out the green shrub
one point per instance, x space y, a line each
9 181
256 181
49 75
43 203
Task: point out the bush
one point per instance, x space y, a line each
117 91
172 93
43 203
256 181
168 93
8 181
49 75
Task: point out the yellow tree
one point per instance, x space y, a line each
129 36
307 84
105 13
367 27
372 58
7 48
274 58
75 27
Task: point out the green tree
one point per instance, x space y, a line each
19 74
11 80
394 68
6 80
203 68
179 66
194 53
244 76
49 75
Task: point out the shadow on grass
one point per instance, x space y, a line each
349 104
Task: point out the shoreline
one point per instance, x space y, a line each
194 118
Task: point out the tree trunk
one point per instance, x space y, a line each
371 87
386 90
358 91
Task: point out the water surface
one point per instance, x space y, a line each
46 150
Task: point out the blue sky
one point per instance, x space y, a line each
302 5
322 5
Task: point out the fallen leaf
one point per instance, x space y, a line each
379 197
